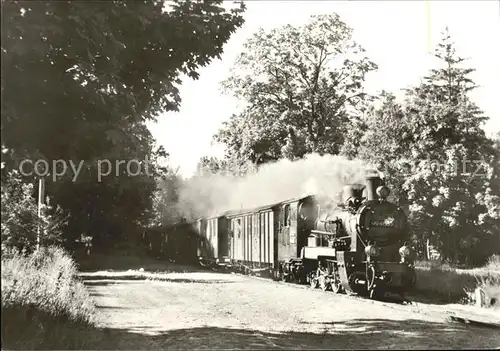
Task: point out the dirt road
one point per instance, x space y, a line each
223 311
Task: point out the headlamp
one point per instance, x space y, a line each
383 192
372 250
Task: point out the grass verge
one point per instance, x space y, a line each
457 285
44 305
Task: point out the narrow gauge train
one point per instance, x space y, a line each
359 247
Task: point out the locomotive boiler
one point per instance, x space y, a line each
361 247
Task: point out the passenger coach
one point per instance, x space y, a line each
265 238
252 238
213 243
175 242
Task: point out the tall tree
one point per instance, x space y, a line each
300 85
437 153
79 81
447 128
210 165
166 199
383 139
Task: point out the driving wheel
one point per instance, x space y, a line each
313 281
324 284
336 286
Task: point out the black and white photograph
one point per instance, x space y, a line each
250 174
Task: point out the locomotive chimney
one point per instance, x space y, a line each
372 183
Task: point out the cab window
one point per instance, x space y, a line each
286 219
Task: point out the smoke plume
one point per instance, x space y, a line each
323 176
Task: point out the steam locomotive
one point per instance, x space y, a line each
359 247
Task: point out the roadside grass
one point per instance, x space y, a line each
44 305
457 285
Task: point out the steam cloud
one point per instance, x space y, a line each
323 176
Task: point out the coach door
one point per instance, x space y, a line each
284 233
287 236
267 237
238 239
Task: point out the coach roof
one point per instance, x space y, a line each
245 211
235 213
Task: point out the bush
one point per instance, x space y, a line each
489 281
452 284
20 220
443 283
43 303
493 263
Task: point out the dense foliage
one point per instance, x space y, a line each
20 220
440 160
79 81
302 86
44 304
431 144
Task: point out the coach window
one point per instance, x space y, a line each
238 227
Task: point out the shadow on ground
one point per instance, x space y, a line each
356 334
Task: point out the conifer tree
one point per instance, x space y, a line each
439 160
456 156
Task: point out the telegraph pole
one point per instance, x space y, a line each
41 191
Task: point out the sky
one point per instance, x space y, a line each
397 36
